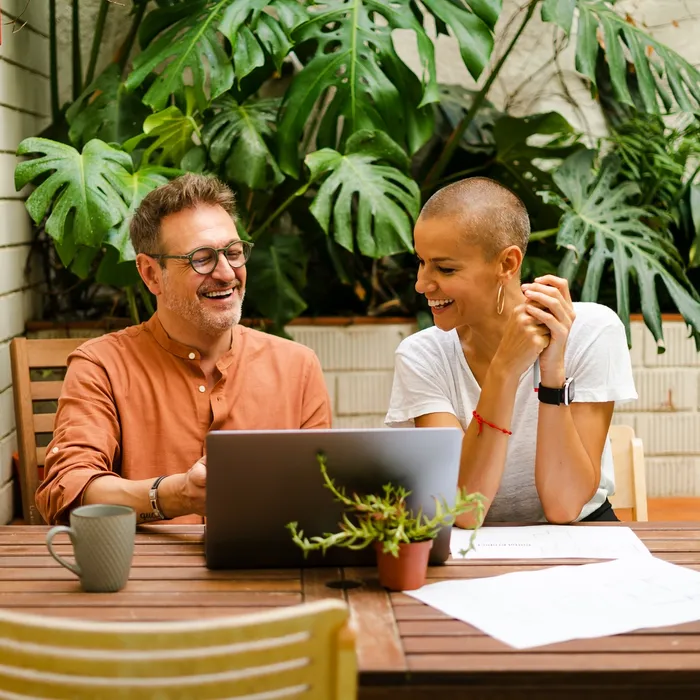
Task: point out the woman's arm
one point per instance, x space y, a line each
484 448
483 452
570 442
570 439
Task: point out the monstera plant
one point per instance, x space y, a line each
332 143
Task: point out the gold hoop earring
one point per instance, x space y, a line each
500 299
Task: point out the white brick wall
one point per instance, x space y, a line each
358 362
24 109
667 414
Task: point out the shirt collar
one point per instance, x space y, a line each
185 351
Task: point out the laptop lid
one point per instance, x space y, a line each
258 481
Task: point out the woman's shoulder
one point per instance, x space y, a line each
591 315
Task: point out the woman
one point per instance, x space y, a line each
533 455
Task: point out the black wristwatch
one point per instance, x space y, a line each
557 397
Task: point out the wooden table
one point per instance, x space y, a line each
405 649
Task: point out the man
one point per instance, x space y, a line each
136 405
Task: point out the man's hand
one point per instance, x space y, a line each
194 490
185 494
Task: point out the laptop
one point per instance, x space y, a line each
258 481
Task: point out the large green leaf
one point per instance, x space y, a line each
455 102
694 202
354 71
188 42
188 38
81 189
114 272
255 34
560 12
526 150
600 227
105 111
133 188
472 23
364 197
656 66
170 135
237 136
276 278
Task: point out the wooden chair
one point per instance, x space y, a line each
630 478
305 651
32 357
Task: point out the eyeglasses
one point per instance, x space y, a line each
204 260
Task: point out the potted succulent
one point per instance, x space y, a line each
402 539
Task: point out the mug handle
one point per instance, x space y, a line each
49 543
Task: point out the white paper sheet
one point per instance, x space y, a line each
549 542
529 609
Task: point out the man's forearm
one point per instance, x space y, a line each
134 494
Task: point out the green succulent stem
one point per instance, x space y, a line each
461 173
448 151
145 297
133 307
125 49
385 518
255 236
53 62
75 50
545 233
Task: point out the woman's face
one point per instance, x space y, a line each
460 285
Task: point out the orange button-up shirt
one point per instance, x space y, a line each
136 404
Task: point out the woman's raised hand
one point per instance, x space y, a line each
549 303
523 341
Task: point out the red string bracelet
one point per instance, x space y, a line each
483 422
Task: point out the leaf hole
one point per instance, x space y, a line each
331 47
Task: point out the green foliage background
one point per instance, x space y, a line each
333 143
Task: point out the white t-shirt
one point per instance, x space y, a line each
432 376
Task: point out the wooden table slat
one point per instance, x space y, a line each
553 663
380 647
128 599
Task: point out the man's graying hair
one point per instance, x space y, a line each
489 214
185 192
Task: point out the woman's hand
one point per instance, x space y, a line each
549 303
524 339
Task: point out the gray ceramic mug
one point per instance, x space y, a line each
103 544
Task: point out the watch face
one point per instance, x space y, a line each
571 390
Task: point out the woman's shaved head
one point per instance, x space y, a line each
488 213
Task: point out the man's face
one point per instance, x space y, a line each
210 303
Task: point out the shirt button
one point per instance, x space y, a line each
191 356
55 450
202 388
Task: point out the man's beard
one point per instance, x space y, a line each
194 312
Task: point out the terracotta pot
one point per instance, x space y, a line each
407 571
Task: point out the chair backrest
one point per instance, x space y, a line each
305 651
630 478
38 367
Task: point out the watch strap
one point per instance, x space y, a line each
548 395
153 498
